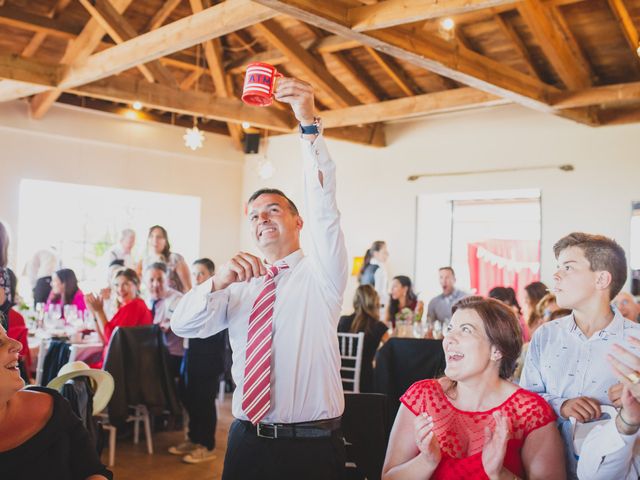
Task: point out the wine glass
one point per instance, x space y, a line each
40 314
55 313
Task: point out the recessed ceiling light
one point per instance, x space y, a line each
137 105
246 125
447 24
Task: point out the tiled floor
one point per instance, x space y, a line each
133 462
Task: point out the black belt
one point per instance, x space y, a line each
316 429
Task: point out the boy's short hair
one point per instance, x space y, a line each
602 253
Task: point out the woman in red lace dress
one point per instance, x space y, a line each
473 423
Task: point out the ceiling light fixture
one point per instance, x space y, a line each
246 125
137 105
564 168
193 137
447 24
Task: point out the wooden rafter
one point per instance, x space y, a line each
369 93
313 69
629 29
555 44
197 104
213 54
395 72
516 41
77 51
436 55
210 23
34 44
390 13
120 30
410 107
162 14
607 95
190 79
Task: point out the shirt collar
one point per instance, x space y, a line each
291 260
614 329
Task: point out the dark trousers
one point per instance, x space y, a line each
250 457
201 372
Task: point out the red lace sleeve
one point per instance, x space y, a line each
530 412
415 398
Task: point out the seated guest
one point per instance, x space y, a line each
629 308
162 302
159 250
404 303
366 319
507 295
203 366
131 309
40 436
65 291
608 450
566 362
533 293
473 423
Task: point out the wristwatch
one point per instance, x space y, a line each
314 129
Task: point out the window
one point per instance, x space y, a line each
80 222
489 238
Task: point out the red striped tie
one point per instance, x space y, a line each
256 396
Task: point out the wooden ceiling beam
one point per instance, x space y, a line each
395 72
120 30
313 69
620 116
436 55
607 95
629 29
162 14
411 107
391 13
198 104
555 44
213 54
77 51
510 32
369 95
16 68
34 44
210 23
18 18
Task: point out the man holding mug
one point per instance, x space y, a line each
282 316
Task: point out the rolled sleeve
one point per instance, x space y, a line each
201 313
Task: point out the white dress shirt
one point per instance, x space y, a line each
562 363
305 360
164 309
381 284
606 454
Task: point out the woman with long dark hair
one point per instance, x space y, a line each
374 273
6 298
474 422
159 251
404 303
131 309
65 291
366 318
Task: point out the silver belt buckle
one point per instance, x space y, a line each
275 431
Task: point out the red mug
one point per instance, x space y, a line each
259 84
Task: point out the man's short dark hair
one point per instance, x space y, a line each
118 262
206 263
447 268
602 253
274 191
158 266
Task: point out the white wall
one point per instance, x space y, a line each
80 146
377 202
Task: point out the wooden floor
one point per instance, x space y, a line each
133 462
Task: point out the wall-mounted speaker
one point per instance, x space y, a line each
251 142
